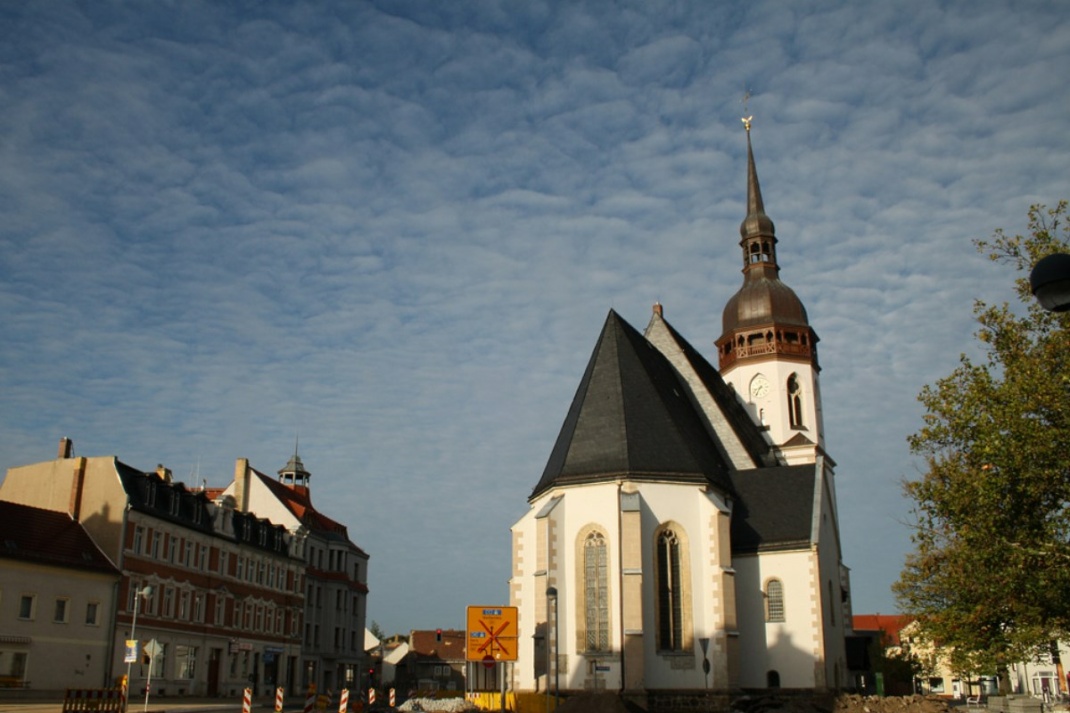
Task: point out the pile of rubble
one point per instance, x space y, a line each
438 705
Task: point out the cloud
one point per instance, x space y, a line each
395 229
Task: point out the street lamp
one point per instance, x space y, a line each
1050 282
138 594
551 594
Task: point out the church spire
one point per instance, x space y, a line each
765 319
757 233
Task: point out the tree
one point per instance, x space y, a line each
989 576
377 631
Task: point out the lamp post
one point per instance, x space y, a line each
551 595
1050 282
138 594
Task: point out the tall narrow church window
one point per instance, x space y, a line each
670 599
795 401
774 600
772 679
596 592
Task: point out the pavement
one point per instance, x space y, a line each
53 703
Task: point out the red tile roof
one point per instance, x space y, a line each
48 537
298 500
888 624
424 645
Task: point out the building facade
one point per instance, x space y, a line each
57 602
215 589
336 571
684 533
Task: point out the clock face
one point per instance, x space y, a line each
759 387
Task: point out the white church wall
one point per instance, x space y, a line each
596 507
789 647
835 609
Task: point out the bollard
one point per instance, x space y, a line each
278 699
247 701
393 698
371 697
310 698
343 701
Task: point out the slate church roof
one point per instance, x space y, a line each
632 416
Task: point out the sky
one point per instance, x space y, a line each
390 232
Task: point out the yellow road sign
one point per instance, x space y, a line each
492 634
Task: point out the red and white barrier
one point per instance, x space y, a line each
278 699
343 701
247 701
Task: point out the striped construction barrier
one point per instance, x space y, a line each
100 700
310 699
278 699
343 701
247 701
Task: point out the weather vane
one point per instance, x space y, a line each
746 119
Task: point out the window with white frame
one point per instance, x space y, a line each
185 661
61 612
27 607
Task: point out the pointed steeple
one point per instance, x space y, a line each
758 235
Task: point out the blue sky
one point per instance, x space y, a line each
394 229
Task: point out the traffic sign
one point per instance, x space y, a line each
492 632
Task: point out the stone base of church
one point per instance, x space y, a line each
698 701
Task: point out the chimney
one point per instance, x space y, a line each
241 484
77 486
66 448
163 474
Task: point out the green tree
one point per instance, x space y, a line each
989 576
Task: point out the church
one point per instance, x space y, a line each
684 534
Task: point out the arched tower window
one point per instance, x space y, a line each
795 402
596 592
772 679
774 600
670 592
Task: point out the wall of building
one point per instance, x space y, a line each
55 654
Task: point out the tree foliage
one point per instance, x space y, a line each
989 576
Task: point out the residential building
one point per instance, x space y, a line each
684 533
336 589
57 601
435 661
899 635
215 588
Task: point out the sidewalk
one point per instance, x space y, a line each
52 702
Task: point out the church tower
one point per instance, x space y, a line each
767 350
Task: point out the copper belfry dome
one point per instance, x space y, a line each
764 316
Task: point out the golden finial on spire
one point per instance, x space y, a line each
746 119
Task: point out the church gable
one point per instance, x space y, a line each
738 437
631 416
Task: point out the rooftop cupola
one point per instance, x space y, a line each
293 474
